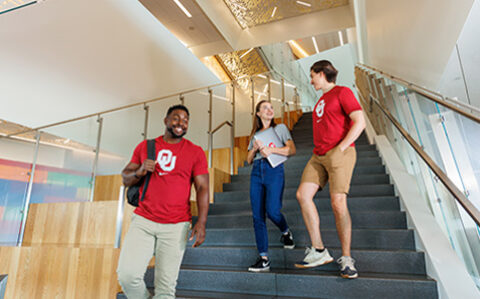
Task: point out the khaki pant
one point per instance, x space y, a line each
335 167
144 239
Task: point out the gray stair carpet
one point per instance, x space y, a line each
382 245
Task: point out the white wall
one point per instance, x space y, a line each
344 60
462 73
67 58
414 39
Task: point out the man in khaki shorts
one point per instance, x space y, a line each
337 123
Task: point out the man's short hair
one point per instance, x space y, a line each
175 107
327 68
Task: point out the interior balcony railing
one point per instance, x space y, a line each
437 139
60 162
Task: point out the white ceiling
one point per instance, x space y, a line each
213 29
193 31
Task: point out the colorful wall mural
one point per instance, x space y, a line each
50 184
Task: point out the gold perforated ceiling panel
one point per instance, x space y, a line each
250 13
243 63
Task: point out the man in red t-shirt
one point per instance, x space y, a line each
160 223
337 123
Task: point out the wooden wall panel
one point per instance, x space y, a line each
59 272
77 224
242 142
107 187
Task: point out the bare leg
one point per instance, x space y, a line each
342 221
305 194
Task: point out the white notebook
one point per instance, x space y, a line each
270 138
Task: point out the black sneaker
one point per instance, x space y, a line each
287 240
261 265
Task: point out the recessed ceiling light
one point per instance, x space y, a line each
273 12
304 3
297 46
315 44
185 11
250 50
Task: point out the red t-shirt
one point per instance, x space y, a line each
167 199
331 122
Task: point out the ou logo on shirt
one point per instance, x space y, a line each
271 144
166 160
320 108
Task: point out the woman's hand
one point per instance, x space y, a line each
266 151
257 145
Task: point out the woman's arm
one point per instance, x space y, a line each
288 150
257 145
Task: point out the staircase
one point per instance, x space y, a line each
388 265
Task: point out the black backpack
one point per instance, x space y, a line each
133 192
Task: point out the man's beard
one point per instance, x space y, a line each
174 135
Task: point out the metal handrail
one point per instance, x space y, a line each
98 114
432 95
221 125
451 187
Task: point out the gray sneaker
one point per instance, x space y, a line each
347 267
313 258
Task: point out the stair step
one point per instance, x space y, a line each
242 182
359 148
226 206
361 238
359 169
376 261
384 249
355 190
307 138
306 284
196 294
306 155
375 219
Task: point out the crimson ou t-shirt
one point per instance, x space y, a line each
331 121
167 199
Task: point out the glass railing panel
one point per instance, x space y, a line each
198 102
276 95
260 83
16 157
281 58
157 111
121 132
63 171
450 140
222 111
455 222
243 107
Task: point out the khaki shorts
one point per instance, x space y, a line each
334 167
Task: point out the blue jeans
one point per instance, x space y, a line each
266 191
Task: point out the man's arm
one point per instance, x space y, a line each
132 173
201 187
355 131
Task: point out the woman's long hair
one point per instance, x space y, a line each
257 122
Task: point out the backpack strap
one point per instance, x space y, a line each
150 156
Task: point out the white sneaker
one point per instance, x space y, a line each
313 258
347 267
